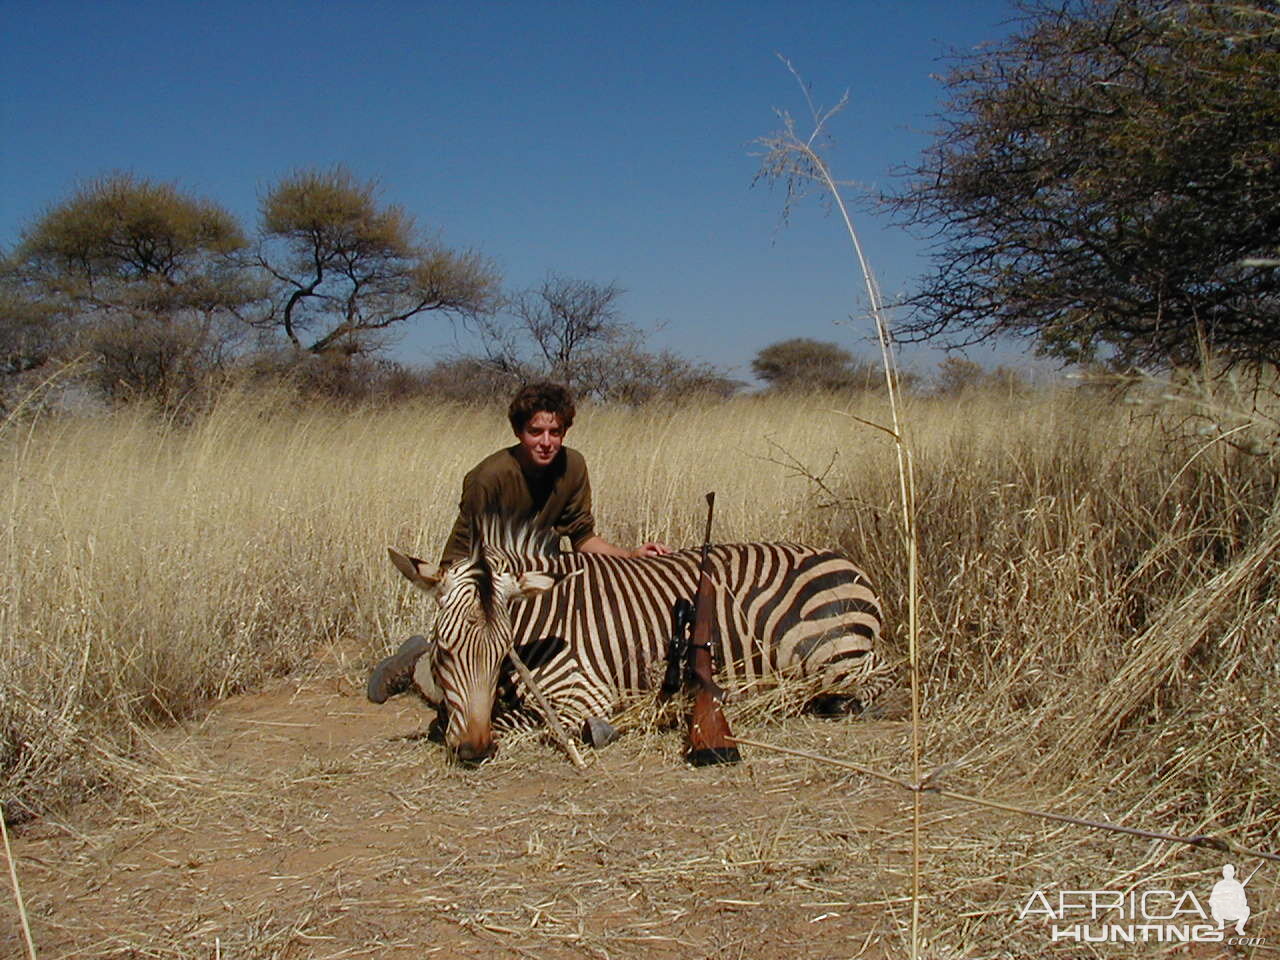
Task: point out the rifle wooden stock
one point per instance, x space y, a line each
709 733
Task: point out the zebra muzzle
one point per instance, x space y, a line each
469 751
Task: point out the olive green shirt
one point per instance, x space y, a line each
558 498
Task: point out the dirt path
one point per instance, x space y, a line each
301 822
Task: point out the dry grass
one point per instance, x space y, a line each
1100 621
149 569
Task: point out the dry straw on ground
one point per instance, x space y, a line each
1100 623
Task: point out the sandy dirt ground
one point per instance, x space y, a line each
305 822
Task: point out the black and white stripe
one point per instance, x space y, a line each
782 609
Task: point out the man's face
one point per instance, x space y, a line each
541 439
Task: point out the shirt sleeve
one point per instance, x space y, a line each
576 522
458 546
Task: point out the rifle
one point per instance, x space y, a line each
679 670
709 733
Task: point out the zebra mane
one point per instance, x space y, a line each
516 543
514 539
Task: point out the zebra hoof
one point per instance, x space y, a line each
599 733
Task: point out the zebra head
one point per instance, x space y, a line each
474 630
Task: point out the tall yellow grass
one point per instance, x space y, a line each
149 569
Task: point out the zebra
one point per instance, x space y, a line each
594 628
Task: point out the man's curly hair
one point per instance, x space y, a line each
541 398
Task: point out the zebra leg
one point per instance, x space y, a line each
852 677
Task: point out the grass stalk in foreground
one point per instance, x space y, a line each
17 889
799 162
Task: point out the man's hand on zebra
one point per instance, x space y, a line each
651 550
598 544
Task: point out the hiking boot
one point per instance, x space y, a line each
394 675
599 733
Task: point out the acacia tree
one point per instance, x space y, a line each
572 331
31 327
629 373
959 375
346 269
571 323
558 329
804 364
1107 183
145 278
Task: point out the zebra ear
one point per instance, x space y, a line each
416 571
533 583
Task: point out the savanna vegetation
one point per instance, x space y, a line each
1098 616
1103 183
1066 540
139 291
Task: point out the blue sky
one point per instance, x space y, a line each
605 141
